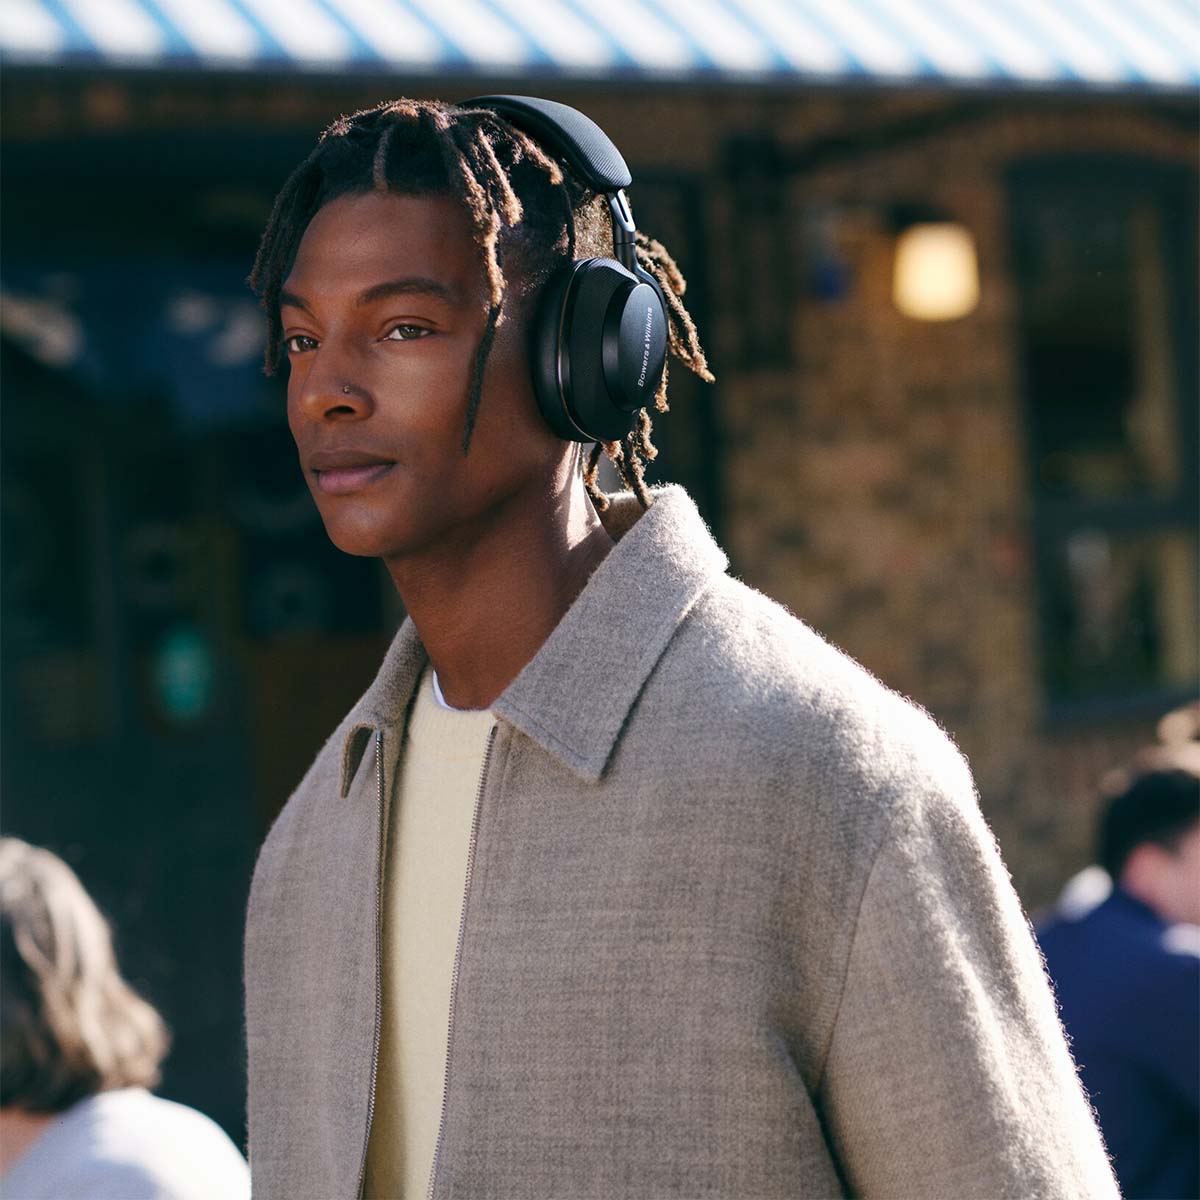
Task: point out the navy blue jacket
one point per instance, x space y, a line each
1130 1001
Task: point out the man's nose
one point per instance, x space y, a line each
332 389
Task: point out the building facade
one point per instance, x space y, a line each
995 514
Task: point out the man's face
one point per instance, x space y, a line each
1184 879
382 313
1167 879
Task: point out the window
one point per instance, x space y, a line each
1104 255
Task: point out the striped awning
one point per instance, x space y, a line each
1051 43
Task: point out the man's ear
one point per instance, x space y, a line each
1142 874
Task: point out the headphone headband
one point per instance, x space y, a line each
586 147
599 338
576 137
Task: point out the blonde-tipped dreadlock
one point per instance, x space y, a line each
506 182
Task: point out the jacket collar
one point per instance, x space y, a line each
574 695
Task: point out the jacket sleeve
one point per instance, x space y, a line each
947 1073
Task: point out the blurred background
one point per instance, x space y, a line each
942 254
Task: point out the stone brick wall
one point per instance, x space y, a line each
878 487
872 474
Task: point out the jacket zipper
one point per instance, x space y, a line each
379 791
462 924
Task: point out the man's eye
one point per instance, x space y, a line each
407 333
299 343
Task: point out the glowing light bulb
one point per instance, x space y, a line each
936 274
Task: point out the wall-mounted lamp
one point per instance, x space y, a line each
935 272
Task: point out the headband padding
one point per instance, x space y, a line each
585 146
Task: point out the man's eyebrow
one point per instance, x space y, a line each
411 284
292 300
419 285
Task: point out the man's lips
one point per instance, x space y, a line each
338 473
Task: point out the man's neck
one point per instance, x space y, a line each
483 608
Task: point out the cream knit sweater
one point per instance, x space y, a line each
425 874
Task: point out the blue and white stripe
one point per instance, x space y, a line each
1097 43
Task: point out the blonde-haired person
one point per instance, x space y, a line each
79 1051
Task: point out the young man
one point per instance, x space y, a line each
618 881
1127 973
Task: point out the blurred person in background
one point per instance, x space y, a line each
79 1050
1126 967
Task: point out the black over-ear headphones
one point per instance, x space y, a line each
599 334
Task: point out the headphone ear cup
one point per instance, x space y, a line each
545 354
637 343
598 344
644 276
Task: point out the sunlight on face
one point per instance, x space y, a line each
382 314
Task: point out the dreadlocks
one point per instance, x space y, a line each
516 196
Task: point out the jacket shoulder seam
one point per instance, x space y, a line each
823 1057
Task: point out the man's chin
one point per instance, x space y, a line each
369 541
398 527
363 542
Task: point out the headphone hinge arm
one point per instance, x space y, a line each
624 245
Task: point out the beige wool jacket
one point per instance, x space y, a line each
734 927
